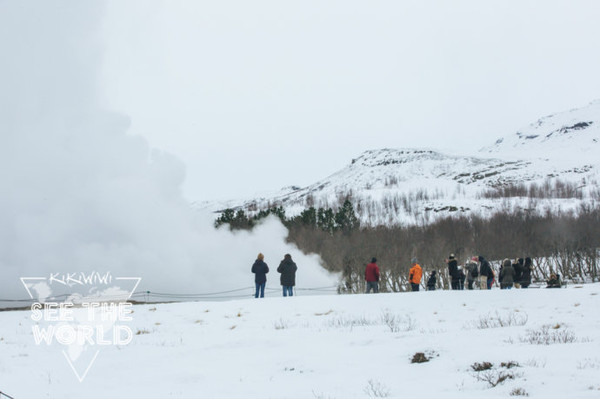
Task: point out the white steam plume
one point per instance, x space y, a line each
79 194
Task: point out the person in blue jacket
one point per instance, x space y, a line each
260 270
288 269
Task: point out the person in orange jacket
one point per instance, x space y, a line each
415 274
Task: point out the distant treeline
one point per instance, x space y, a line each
566 243
324 219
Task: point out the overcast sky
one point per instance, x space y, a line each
257 95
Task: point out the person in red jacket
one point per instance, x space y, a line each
372 276
415 275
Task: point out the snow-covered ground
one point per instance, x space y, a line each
355 346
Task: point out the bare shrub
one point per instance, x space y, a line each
537 363
397 323
376 389
318 395
547 335
588 364
419 357
350 322
391 320
281 324
481 366
497 320
518 392
409 324
509 365
494 377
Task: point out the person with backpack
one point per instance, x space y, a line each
287 268
453 272
432 281
472 273
372 276
415 274
526 276
260 270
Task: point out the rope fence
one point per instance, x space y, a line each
158 297
154 297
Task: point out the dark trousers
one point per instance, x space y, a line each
260 287
470 284
372 285
454 284
288 290
415 287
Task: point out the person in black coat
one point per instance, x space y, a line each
518 266
486 270
288 268
431 281
526 276
507 275
260 270
453 272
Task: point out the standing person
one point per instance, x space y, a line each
431 281
461 278
526 277
472 273
260 270
482 280
485 270
415 274
453 272
518 266
507 275
500 274
372 276
288 268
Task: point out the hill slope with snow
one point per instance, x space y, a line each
356 346
392 186
571 136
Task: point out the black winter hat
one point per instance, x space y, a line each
373 260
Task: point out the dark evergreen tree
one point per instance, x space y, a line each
326 220
227 216
345 217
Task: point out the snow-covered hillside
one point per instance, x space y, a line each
572 136
355 346
391 186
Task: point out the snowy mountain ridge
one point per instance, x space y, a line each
409 186
561 135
